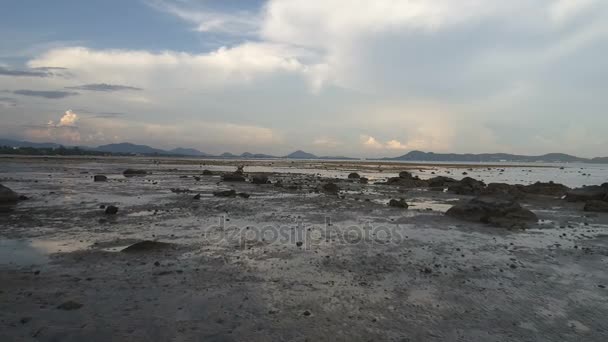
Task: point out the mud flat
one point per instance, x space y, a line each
296 259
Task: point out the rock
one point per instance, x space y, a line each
7 195
363 180
441 181
243 195
588 193
547 189
331 188
69 306
260 180
467 186
111 210
596 206
134 172
146 246
225 193
197 178
179 191
207 173
406 175
240 170
354 175
197 197
501 212
407 182
100 178
503 190
233 177
398 203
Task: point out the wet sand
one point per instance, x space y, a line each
287 263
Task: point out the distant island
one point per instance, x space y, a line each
15 147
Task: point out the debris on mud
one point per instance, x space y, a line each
501 212
225 193
467 186
100 178
260 180
207 173
111 210
7 195
331 188
233 177
146 246
134 172
400 203
69 306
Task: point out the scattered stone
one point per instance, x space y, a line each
225 193
146 246
306 313
299 243
7 195
501 212
23 198
197 197
134 172
354 175
412 182
100 178
69 306
260 180
111 210
398 203
197 178
331 188
363 180
179 191
588 193
207 173
25 320
596 206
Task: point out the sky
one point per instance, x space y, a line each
334 77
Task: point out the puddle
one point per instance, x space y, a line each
34 252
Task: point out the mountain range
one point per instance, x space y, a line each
413 156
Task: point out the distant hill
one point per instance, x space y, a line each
489 157
16 143
299 154
188 152
129 148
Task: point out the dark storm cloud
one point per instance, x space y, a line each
47 94
104 87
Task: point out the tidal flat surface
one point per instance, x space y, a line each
291 262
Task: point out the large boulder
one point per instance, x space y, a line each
441 181
547 189
596 206
7 195
588 193
503 190
353 175
467 186
496 211
406 175
407 182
